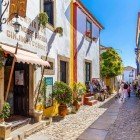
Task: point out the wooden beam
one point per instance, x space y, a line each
11 75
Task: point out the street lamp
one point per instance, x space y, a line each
16 24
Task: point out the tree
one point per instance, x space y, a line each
111 63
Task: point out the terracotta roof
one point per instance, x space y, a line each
89 14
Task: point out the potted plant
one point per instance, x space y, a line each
79 90
62 93
59 30
88 33
5 128
43 19
41 102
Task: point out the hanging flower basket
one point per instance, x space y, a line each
59 30
43 19
88 34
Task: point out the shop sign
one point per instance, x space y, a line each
49 89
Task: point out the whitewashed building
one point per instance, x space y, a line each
129 74
74 56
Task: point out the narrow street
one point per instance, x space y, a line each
73 125
120 122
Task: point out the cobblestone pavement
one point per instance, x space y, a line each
72 125
127 124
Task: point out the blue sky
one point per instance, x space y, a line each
119 17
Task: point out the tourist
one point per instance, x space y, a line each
121 90
118 87
125 91
91 86
129 90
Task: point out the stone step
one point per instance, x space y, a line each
90 98
91 103
20 123
27 130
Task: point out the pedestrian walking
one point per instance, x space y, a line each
129 90
118 88
121 90
125 91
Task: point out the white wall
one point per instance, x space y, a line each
126 77
51 41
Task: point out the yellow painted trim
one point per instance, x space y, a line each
71 45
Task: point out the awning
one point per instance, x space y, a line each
24 56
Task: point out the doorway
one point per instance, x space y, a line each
18 96
21 89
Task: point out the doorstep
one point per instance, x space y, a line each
27 130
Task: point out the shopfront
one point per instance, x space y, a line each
20 94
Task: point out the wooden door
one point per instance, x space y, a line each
21 89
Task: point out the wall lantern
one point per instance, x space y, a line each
16 24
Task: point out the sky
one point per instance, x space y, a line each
119 18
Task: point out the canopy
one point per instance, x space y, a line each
24 56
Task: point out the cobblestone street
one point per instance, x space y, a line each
113 120
74 124
127 125
120 122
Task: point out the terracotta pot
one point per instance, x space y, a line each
62 110
76 104
1 120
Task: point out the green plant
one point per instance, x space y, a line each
2 58
5 113
43 19
42 91
62 93
111 63
59 30
79 89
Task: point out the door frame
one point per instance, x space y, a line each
67 60
26 77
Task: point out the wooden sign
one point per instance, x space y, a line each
17 7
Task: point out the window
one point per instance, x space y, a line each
89 28
51 66
49 9
87 71
63 71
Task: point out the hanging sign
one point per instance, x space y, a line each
18 7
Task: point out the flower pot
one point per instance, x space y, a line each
62 110
38 116
76 104
1 120
5 130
